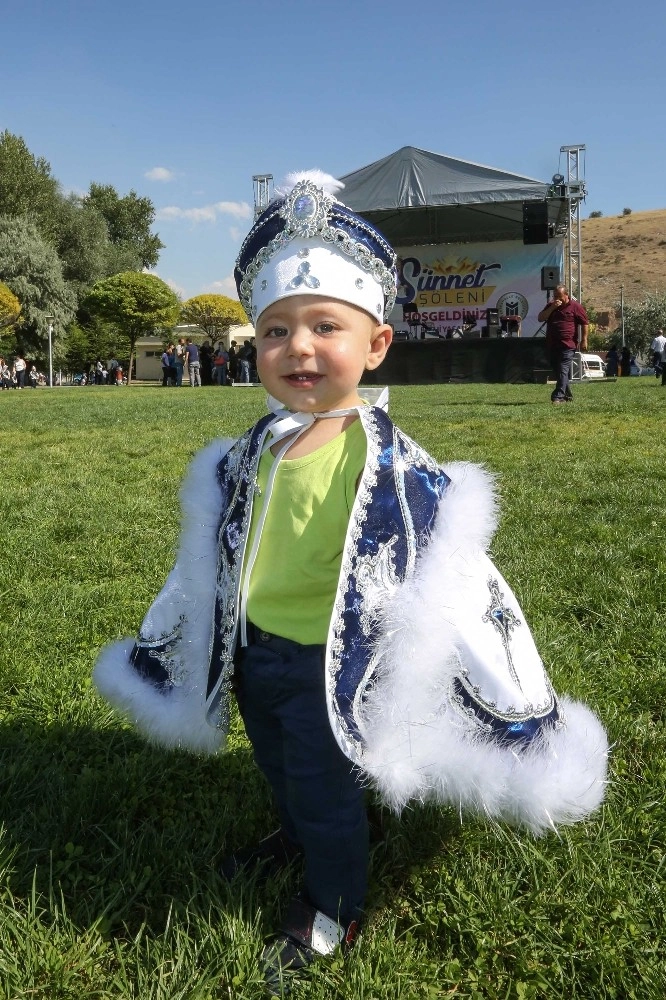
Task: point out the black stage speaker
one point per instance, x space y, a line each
535 222
550 278
492 315
491 330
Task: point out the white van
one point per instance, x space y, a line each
588 366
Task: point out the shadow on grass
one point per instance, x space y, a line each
108 820
129 833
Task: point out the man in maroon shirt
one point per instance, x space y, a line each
566 332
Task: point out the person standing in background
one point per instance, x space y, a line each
179 357
206 363
220 361
625 361
657 347
233 361
243 361
19 371
566 332
193 362
167 368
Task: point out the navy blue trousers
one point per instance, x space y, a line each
319 797
561 359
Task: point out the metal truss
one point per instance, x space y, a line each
262 192
574 191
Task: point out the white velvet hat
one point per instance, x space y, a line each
308 242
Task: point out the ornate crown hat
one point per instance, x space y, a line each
308 242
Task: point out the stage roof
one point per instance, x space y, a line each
417 197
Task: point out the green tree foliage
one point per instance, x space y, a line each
641 322
97 339
71 243
128 221
213 313
76 354
10 307
31 269
138 304
27 188
596 215
82 244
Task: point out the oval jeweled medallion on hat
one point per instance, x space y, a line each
305 209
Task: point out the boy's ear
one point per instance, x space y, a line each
381 341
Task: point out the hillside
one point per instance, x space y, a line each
627 250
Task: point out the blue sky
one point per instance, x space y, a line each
184 102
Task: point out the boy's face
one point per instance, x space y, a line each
312 351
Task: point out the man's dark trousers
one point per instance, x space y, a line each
561 360
320 800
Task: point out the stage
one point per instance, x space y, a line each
497 359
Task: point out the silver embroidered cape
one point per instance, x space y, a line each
435 689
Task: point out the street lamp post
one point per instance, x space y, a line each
49 320
622 311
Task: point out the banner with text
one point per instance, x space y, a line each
445 288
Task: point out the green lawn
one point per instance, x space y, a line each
108 847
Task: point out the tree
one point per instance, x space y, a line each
27 188
82 244
98 338
596 215
33 272
213 313
641 322
137 303
10 307
128 221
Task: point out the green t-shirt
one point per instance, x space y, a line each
295 573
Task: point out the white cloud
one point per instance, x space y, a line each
159 174
205 213
171 212
175 287
226 286
239 209
235 233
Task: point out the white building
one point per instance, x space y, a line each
148 350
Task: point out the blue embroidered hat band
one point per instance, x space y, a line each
310 243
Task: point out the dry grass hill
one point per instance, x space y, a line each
627 250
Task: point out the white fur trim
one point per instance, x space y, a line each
174 720
177 718
418 744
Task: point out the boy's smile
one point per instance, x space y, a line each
312 351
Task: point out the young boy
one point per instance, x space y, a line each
337 574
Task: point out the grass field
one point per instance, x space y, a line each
108 847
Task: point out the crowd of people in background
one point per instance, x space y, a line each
18 375
201 365
98 373
207 365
